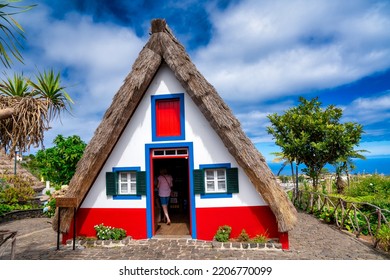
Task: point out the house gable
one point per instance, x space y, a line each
207 145
164 47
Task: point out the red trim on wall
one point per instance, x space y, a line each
254 219
283 239
131 220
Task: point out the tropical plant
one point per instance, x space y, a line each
11 33
27 107
345 164
288 160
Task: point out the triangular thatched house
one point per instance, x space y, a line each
166 115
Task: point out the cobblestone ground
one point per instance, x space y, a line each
310 240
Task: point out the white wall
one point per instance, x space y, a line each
130 150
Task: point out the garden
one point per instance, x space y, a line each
363 209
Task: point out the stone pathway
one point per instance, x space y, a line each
310 240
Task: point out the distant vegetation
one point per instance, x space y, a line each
56 164
314 136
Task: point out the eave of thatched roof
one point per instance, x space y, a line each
164 47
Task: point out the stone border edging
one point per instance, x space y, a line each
88 243
99 243
22 214
270 245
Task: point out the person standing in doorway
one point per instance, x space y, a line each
164 185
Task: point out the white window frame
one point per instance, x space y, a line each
215 180
131 182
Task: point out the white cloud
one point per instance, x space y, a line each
94 59
268 49
255 122
369 110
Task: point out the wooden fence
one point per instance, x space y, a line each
356 217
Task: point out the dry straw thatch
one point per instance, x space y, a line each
163 47
26 125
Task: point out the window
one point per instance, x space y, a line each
170 152
168 117
216 179
126 182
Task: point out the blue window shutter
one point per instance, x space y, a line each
199 181
232 180
111 183
141 183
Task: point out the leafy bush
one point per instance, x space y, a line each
106 232
4 208
58 164
383 236
260 238
327 214
374 186
15 190
49 208
243 237
223 233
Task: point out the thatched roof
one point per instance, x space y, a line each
163 47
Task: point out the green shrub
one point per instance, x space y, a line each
15 190
106 232
49 208
223 233
375 185
260 238
383 236
5 208
243 237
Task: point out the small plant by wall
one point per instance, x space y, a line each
106 232
243 236
223 233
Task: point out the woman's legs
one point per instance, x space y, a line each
164 205
165 209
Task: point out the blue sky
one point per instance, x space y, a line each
260 55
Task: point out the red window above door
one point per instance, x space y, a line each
168 117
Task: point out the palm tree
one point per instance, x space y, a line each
11 31
344 165
27 107
288 160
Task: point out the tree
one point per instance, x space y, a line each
27 107
286 160
344 165
11 32
58 164
314 136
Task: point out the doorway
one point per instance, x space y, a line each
176 163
